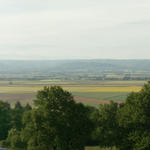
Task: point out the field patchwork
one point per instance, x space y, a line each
90 91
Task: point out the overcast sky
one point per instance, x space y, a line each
74 29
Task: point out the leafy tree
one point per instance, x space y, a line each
57 122
107 130
134 119
4 119
27 107
14 140
16 116
93 115
77 127
33 133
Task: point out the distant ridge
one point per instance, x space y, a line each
93 65
83 67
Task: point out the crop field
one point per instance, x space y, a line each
86 91
115 96
81 88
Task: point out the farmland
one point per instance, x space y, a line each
91 83
91 91
95 81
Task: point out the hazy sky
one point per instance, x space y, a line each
73 29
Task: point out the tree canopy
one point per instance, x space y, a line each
134 118
57 122
4 119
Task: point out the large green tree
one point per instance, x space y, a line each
134 119
57 122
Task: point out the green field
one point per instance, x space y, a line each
117 96
25 91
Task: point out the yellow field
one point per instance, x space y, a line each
103 89
30 89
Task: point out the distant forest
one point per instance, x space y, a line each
103 69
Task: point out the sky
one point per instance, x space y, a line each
74 29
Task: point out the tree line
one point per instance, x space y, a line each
57 122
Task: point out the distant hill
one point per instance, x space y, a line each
76 67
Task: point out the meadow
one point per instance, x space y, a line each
25 90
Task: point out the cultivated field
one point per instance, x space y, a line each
86 91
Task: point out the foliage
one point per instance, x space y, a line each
134 118
107 130
57 122
14 140
13 137
4 119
